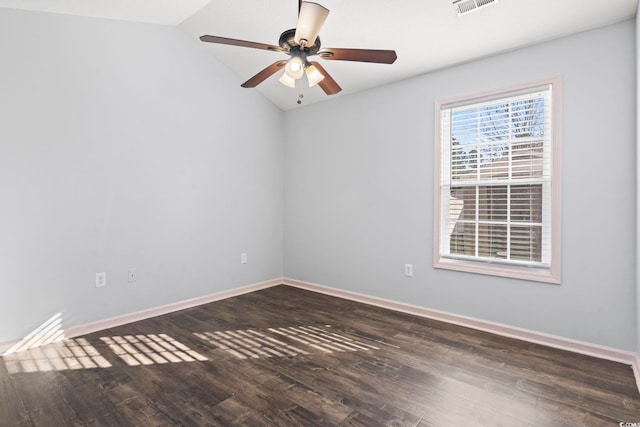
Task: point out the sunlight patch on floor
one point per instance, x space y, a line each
249 343
65 355
280 342
322 339
151 349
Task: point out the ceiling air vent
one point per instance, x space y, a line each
465 6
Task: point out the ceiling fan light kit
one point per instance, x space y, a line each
301 43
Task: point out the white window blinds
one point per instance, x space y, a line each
495 183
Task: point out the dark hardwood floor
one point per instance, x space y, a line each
289 357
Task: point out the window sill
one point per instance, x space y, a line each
547 275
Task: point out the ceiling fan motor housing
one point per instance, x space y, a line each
287 42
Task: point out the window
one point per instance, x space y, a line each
497 183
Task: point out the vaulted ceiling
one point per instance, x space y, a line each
426 34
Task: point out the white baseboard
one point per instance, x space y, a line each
79 330
636 369
589 349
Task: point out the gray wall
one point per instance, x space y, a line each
127 145
359 192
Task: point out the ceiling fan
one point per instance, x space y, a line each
300 43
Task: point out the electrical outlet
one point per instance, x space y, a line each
408 270
131 275
101 279
243 258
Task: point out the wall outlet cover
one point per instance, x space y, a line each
408 270
101 279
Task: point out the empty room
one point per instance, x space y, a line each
363 213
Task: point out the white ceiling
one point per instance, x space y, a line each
426 34
167 12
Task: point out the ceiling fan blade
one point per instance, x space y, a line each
328 85
360 55
310 20
243 43
264 74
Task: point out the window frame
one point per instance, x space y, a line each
550 274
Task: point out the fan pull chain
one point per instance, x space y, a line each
301 86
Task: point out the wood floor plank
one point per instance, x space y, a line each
284 356
44 399
12 410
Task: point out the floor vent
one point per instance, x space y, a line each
466 6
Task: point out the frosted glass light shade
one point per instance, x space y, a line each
294 68
287 81
313 75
